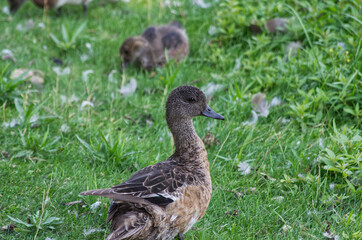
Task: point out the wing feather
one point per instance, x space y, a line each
158 184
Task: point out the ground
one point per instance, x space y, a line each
294 174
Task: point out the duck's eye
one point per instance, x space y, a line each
191 99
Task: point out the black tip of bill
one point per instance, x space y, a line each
208 112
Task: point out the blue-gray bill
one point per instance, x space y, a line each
208 112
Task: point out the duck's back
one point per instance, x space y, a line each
172 38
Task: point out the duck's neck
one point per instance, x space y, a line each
187 142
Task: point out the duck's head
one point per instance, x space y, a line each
186 102
131 49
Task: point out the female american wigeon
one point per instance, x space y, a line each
56 4
165 199
148 49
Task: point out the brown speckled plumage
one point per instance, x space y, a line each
57 4
165 199
148 49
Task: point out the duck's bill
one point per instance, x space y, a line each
208 112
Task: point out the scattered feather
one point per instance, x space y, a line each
277 25
236 67
293 47
253 120
74 203
275 102
328 234
172 3
48 238
286 228
320 143
6 10
84 57
7 54
246 191
86 104
261 106
244 168
35 77
85 74
8 228
88 232
65 128
111 78
211 88
14 122
212 30
266 176
201 3
41 25
95 205
285 121
129 89
65 99
59 71
25 27
89 47
237 64
278 199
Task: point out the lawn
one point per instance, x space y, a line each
294 174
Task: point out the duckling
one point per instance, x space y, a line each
57 4
166 199
148 49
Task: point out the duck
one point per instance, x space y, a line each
164 200
55 4
147 50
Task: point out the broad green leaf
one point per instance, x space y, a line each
330 154
65 34
55 39
17 220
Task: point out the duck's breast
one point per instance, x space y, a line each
189 208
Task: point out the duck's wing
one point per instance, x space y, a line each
158 184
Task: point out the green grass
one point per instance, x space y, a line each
292 175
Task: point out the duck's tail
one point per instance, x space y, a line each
127 221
